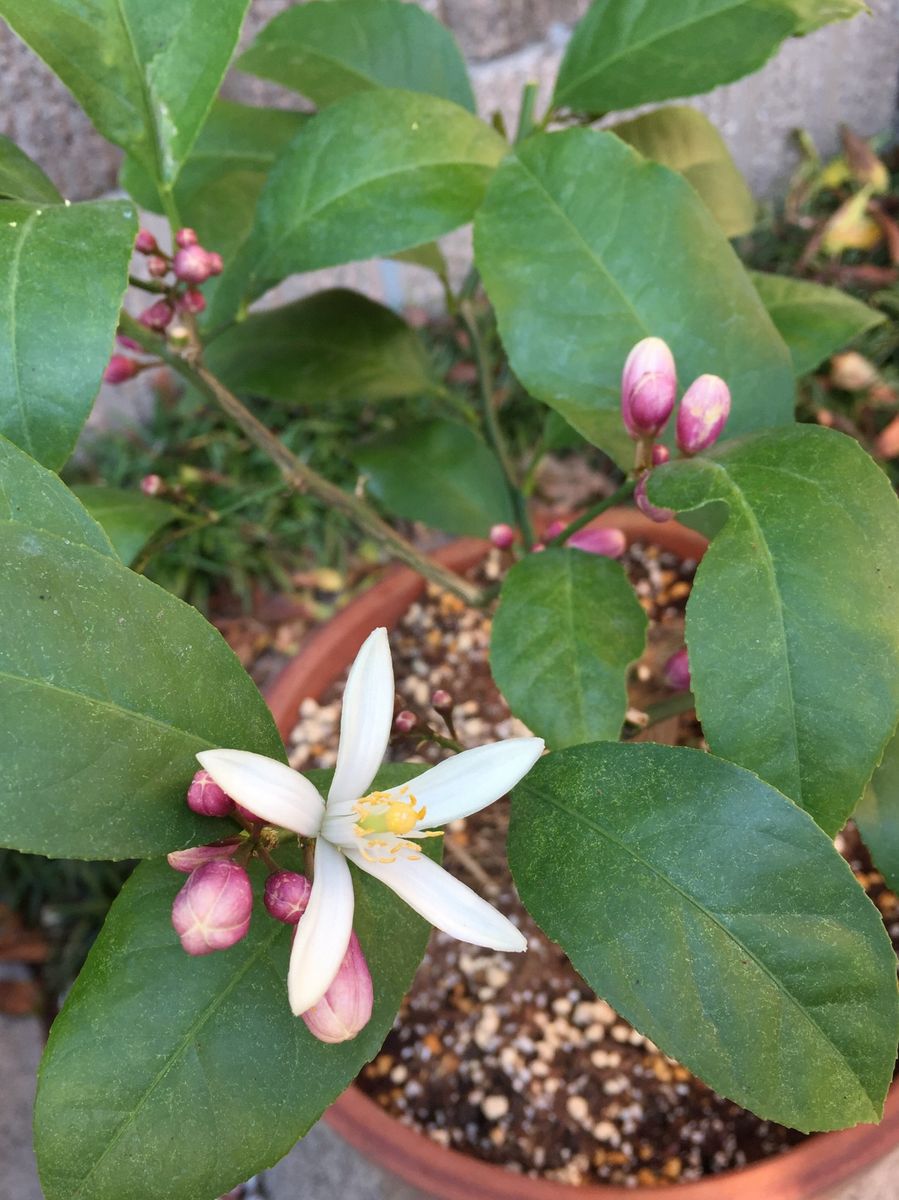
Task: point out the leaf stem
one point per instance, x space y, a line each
623 493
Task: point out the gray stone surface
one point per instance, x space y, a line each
323 1167
20 1050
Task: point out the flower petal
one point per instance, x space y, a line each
268 788
323 933
468 782
445 902
364 723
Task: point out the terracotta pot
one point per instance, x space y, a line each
802 1173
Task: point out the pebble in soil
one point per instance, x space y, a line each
491 1050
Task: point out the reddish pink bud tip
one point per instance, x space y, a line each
502 536
191 264
405 721
119 368
345 1009
553 529
677 671
286 896
537 547
186 237
204 796
157 316
152 485
660 454
246 814
646 507
702 414
610 543
192 301
441 699
129 343
212 911
188 860
648 388
214 262
157 267
145 242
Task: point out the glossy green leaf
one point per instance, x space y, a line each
637 51
22 179
108 688
585 248
35 498
814 321
877 815
566 630
129 518
686 141
791 624
364 179
63 272
812 14
328 50
717 918
202 1076
145 74
335 345
440 473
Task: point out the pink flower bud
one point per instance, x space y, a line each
441 699
186 237
702 414
214 262
192 301
249 817
502 536
610 543
152 485
157 316
660 454
553 529
145 242
538 548
119 368
157 267
405 721
129 343
648 388
204 796
646 507
345 1008
212 911
188 860
191 264
677 671
286 896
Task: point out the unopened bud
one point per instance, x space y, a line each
214 262
152 485
702 414
191 264
145 242
677 671
648 388
610 543
345 1009
502 536
157 316
212 911
441 700
405 721
192 301
129 343
119 368
660 454
188 860
286 896
538 547
646 506
186 237
553 529
204 796
157 267
249 817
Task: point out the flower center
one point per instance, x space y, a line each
393 814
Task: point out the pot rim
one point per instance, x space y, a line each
820 1163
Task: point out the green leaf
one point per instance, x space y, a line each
812 14
333 346
791 624
364 179
145 74
713 915
567 628
129 518
814 321
877 815
637 52
686 141
585 248
64 270
440 473
203 1076
428 255
22 179
108 688
330 50
36 498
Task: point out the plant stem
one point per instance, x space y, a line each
298 474
148 285
623 493
526 112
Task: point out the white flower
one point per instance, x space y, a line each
378 831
